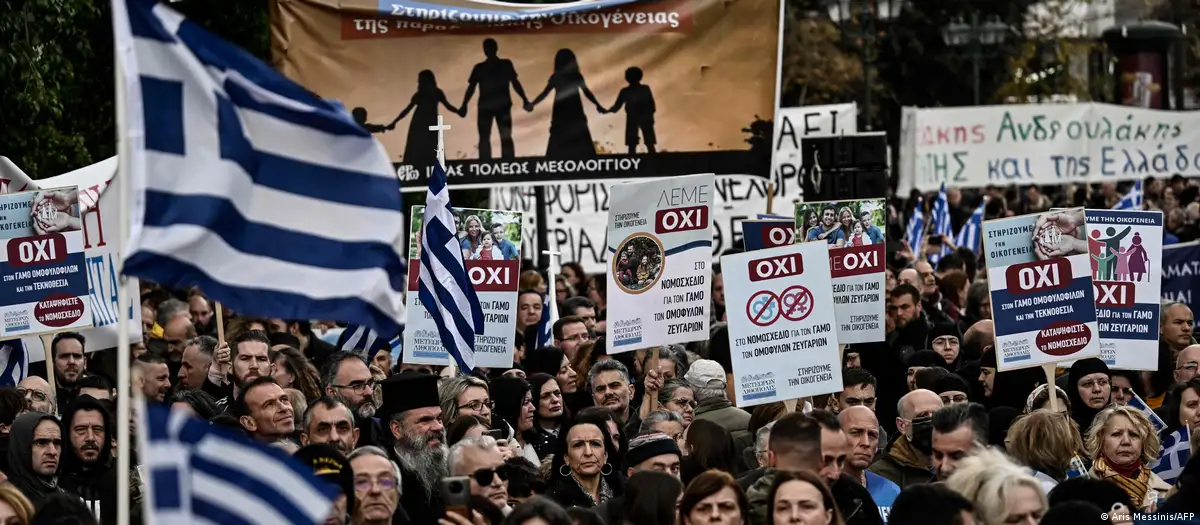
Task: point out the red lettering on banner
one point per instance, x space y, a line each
775 267
681 220
1038 276
486 276
776 236
1114 294
856 260
37 250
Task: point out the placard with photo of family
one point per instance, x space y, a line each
483 235
842 224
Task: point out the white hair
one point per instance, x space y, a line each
988 478
372 450
484 443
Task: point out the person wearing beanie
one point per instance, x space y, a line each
987 370
331 465
1089 388
1009 389
653 451
944 339
953 389
918 360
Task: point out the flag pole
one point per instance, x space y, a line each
441 159
124 447
551 275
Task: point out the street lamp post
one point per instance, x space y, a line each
975 36
866 12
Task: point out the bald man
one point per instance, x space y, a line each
906 460
39 395
862 430
910 276
1186 363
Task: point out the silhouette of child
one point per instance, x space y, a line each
360 116
639 111
1123 264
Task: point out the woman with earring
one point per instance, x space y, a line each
582 474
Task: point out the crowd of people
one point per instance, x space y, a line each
925 430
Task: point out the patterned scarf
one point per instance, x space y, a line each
605 492
1135 484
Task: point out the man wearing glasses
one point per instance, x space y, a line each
347 376
37 393
570 332
1186 363
481 459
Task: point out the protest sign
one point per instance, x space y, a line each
43 267
611 93
1181 273
1125 248
490 241
99 207
783 342
1045 144
1040 276
577 214
760 234
854 231
659 280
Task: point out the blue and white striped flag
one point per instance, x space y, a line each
365 341
200 473
970 233
270 199
916 226
14 362
1132 199
941 223
444 287
545 326
1174 456
1155 421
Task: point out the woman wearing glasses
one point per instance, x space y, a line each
1090 389
677 397
464 396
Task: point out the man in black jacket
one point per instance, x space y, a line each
87 469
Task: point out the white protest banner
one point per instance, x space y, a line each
490 241
972 147
43 267
98 207
577 214
1040 276
854 231
1125 248
783 342
659 280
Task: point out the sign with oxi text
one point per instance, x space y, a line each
759 234
490 241
1040 276
98 201
1045 144
659 280
854 231
1181 274
577 214
43 269
782 333
1125 248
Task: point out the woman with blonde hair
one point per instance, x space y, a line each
1123 444
1003 492
15 508
1046 442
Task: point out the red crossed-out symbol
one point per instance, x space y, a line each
797 303
763 308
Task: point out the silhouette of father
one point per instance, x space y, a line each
493 76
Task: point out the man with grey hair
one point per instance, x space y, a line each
958 431
481 460
761 437
413 414
378 485
609 381
707 379
329 420
197 358
177 328
347 376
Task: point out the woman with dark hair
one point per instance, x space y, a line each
979 304
582 473
294 370
710 447
650 497
713 497
574 275
1182 406
514 405
538 510
801 497
569 134
465 427
603 416
198 402
550 414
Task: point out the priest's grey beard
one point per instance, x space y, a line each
427 464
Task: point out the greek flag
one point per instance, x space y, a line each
14 362
272 200
1157 422
941 223
445 289
1174 456
200 473
1132 199
916 226
365 341
545 326
969 235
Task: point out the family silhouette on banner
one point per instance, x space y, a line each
1113 262
495 79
